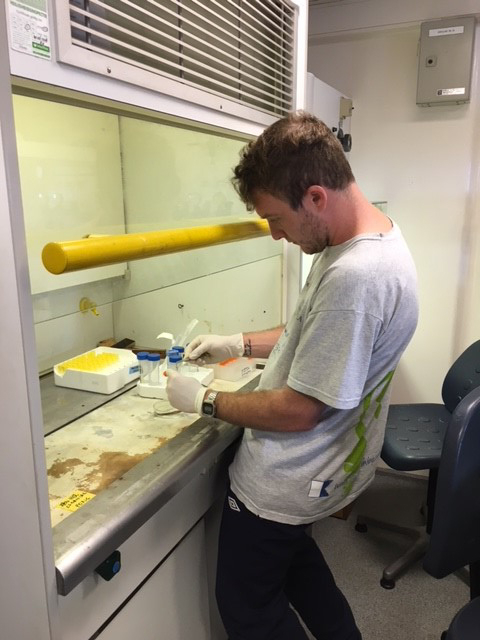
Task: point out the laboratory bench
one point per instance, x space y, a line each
135 502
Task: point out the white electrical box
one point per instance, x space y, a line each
445 61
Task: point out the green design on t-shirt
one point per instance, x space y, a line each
354 460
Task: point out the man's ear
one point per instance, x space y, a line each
316 196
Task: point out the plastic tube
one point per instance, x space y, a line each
180 350
154 360
174 359
143 365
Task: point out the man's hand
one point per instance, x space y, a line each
185 393
209 349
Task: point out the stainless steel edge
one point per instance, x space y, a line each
87 537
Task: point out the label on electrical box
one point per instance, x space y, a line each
446 31
29 30
459 91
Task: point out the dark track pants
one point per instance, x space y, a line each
265 566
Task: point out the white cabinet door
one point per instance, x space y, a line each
173 603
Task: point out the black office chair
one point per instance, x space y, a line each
455 535
413 441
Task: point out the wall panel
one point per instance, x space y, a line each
420 161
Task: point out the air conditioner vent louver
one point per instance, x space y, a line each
242 50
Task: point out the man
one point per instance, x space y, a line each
314 428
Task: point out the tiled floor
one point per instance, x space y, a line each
419 607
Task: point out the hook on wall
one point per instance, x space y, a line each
86 304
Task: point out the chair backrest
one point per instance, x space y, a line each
462 377
455 534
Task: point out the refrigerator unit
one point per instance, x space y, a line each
335 109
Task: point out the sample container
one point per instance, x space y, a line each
154 360
181 351
174 359
143 365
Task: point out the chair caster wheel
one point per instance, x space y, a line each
361 527
386 583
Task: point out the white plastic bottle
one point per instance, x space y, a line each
154 360
143 365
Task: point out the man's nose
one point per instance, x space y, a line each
276 234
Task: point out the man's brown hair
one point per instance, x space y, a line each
292 154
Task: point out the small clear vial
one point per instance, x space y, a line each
154 360
143 365
181 351
174 359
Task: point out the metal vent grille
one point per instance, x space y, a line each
242 50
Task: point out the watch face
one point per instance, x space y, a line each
208 408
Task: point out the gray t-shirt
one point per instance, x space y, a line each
354 318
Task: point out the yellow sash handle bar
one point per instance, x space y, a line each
61 257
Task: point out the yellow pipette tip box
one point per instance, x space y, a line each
102 370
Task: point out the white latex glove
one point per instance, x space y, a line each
210 348
184 393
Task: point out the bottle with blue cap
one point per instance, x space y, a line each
181 350
143 365
154 360
174 359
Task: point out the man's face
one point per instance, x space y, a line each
303 227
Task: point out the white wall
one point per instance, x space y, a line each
358 15
424 163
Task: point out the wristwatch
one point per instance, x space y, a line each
209 408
